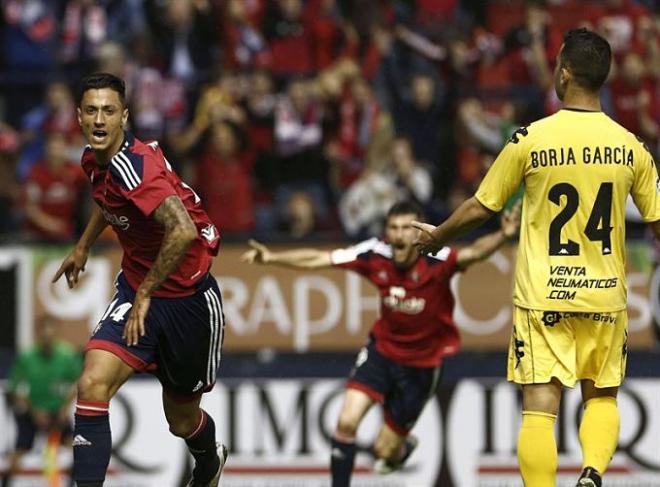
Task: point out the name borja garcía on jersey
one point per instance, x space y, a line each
565 156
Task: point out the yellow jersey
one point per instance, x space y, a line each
578 168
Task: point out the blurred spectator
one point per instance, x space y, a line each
29 34
433 14
363 207
223 180
619 22
482 133
87 24
635 97
243 45
360 122
218 102
412 180
53 193
186 38
260 104
126 19
157 104
299 216
288 38
112 59
84 28
648 33
301 166
531 48
9 187
42 386
364 15
298 135
57 113
487 129
419 117
28 40
325 32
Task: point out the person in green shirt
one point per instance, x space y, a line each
41 388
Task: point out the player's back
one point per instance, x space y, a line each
578 168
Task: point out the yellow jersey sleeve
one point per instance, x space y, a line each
506 174
646 187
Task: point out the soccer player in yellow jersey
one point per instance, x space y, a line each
569 318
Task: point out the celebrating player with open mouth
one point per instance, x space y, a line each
400 365
166 317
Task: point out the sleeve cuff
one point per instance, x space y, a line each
491 206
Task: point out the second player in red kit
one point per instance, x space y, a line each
400 365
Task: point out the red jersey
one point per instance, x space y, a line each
416 327
56 193
137 180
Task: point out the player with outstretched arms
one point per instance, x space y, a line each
400 365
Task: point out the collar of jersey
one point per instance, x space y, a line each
582 110
128 142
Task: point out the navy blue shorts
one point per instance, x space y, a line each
183 337
403 391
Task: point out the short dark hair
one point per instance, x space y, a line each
406 207
588 56
98 81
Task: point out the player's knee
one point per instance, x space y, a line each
385 449
542 397
347 426
93 386
182 426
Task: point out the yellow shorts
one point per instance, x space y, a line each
568 346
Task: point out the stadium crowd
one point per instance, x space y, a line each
299 119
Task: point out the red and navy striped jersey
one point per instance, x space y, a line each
416 325
137 180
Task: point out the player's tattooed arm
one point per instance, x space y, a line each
180 233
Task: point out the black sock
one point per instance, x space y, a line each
92 445
201 444
342 458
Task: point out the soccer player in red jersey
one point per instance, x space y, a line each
166 317
400 365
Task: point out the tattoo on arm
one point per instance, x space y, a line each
180 232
